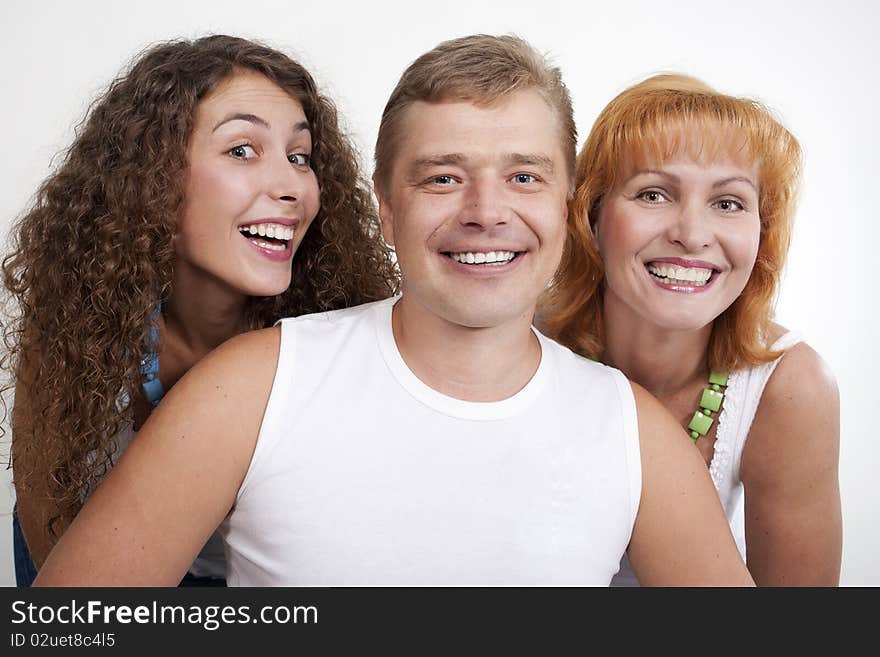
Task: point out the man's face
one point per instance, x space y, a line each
476 207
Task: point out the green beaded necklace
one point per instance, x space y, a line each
710 402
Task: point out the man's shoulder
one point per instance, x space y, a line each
583 381
314 342
573 362
340 317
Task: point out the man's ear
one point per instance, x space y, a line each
385 214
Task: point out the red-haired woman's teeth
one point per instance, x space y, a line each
671 274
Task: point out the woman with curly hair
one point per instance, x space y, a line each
678 233
171 226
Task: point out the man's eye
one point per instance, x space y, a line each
242 152
300 159
442 180
525 178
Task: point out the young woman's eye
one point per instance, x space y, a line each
525 178
300 159
729 205
242 152
652 196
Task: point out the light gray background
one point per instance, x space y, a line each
813 62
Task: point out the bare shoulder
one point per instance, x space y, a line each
662 441
790 472
655 421
801 386
680 536
798 413
801 383
217 405
252 354
647 404
801 368
154 503
244 365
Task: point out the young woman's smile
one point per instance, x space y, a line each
250 191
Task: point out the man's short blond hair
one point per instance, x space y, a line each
480 69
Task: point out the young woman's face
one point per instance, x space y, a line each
250 191
679 240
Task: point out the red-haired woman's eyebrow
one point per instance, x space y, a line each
657 172
744 179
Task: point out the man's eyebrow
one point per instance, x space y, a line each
744 179
531 159
454 159
439 160
256 120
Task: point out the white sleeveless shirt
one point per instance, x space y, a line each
741 399
364 475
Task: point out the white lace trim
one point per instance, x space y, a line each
725 434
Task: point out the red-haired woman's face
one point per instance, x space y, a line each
250 191
679 240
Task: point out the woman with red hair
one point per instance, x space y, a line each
678 233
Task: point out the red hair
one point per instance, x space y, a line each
649 123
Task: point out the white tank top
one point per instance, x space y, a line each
741 399
364 475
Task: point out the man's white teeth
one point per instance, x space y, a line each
682 275
480 258
277 231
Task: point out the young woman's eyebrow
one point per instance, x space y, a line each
256 120
241 116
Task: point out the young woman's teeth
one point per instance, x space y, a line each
672 275
276 235
478 258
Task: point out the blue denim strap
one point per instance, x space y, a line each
152 386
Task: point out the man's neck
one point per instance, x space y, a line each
663 361
472 364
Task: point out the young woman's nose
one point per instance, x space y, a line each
287 181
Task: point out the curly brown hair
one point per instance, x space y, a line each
94 253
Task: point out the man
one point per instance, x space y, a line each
432 439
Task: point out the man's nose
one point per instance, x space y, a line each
484 204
